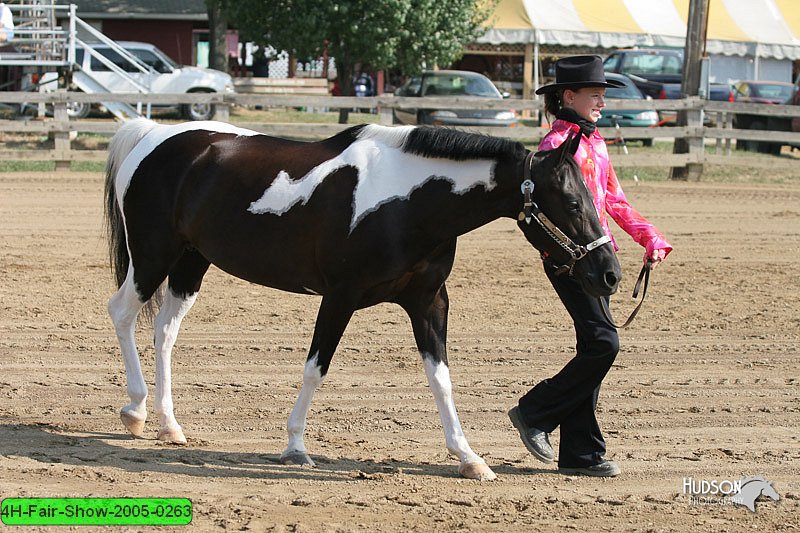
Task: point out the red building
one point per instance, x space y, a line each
178 27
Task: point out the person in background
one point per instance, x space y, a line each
568 400
6 24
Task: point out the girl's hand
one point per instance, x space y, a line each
655 257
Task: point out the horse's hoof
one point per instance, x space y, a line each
479 471
172 436
296 458
132 424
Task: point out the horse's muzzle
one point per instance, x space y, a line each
599 276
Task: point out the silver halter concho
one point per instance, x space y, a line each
530 211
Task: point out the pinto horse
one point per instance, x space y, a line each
369 215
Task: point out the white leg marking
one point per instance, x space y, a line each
123 308
296 450
167 323
442 388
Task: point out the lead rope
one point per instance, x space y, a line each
644 274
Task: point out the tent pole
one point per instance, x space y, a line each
536 70
535 61
756 63
526 77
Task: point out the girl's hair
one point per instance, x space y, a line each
553 101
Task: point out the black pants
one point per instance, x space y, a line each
569 398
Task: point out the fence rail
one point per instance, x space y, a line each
696 133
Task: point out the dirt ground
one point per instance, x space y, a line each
706 386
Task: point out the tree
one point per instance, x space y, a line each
218 29
406 34
435 32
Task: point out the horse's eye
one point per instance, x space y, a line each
574 206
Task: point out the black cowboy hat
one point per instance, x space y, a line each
576 72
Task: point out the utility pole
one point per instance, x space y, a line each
693 54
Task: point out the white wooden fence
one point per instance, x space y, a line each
695 132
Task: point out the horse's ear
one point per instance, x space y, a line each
575 142
570 146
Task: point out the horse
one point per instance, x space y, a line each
369 215
752 488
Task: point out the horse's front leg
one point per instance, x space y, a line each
167 323
429 320
332 319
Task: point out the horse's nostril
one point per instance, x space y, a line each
611 279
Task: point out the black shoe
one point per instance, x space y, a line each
534 439
604 469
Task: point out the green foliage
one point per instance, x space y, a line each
435 32
405 34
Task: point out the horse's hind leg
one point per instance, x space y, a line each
166 326
428 312
184 283
123 308
332 318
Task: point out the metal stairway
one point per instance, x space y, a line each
88 84
40 43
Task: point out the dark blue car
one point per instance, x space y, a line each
625 118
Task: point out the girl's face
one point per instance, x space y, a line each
588 102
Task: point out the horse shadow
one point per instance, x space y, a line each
51 444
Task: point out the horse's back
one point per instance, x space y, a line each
198 184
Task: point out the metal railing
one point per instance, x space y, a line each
40 41
131 59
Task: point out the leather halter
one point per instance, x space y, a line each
530 211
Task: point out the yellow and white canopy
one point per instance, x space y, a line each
762 28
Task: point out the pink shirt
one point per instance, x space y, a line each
592 157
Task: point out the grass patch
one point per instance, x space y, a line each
88 166
27 166
50 166
297 116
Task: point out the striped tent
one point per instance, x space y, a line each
768 29
762 28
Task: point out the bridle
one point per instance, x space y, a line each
530 211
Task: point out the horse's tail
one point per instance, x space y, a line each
126 138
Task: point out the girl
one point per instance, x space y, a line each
569 398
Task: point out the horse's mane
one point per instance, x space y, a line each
428 141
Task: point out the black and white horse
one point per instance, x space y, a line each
370 215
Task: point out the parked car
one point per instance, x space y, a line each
762 92
448 84
627 117
721 92
165 76
765 92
